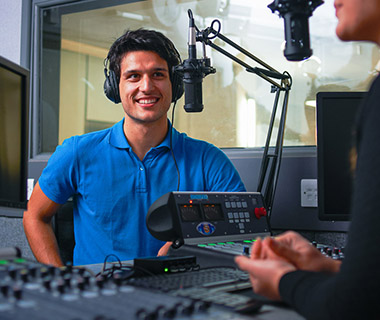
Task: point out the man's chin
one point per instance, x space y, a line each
147 118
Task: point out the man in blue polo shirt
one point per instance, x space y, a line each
114 175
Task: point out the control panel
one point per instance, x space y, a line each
196 216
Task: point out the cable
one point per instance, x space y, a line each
171 145
109 272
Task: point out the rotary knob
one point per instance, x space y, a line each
260 212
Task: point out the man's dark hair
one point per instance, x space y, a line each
142 40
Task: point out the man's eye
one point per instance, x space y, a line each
158 74
133 76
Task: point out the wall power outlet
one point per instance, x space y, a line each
309 193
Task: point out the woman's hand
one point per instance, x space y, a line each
265 275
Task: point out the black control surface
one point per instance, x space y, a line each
30 290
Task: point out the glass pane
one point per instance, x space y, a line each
238 104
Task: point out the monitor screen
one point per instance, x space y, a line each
14 104
336 119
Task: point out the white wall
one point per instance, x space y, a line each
10 29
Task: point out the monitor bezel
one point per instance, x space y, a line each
24 152
322 212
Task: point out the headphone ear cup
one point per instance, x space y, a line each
111 86
177 86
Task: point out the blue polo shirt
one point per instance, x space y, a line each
113 189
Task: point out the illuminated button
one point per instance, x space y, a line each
247 220
238 204
230 215
233 204
246 214
237 220
244 204
231 221
241 225
242 220
228 205
241 214
242 231
236 215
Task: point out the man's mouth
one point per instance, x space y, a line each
147 101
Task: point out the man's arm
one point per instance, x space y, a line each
38 227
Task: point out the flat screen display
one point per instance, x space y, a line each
14 103
336 119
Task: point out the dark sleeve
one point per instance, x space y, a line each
354 292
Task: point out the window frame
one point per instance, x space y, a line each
245 159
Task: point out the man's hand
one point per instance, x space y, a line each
164 249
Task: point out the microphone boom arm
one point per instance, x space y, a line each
271 159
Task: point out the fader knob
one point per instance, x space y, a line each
17 293
47 283
4 290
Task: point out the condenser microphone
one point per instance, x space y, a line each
296 15
192 75
193 70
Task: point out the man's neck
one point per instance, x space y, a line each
144 136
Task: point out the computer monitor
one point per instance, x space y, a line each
14 104
336 118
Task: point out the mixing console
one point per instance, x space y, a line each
223 286
29 290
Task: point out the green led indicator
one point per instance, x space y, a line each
212 244
202 245
19 260
3 261
166 269
230 242
247 241
221 243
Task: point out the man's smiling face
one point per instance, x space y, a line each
145 86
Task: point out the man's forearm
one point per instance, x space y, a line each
42 241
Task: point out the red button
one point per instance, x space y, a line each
260 212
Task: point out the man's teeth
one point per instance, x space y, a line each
147 101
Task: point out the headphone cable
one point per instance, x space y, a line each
171 144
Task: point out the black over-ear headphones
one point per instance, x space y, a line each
111 83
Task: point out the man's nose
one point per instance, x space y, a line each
146 84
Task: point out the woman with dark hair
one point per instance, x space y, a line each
288 267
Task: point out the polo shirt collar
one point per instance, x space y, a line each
118 139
